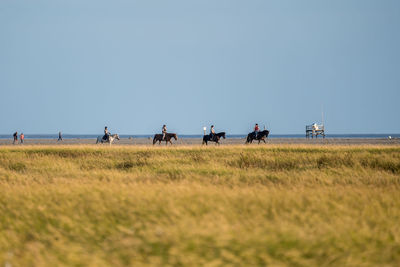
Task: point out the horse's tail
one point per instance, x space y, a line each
154 139
97 140
248 139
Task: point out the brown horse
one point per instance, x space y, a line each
168 137
216 138
260 136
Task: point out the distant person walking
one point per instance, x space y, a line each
59 137
15 135
22 137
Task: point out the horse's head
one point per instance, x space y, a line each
116 136
175 136
223 135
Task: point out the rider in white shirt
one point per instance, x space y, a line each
212 132
164 131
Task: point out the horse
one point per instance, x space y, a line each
109 140
216 138
260 136
168 137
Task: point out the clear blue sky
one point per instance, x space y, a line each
77 66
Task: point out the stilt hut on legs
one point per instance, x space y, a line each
315 130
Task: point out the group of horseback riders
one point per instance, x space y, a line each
254 134
213 136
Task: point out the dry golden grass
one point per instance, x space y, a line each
237 205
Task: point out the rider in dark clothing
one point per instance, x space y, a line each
106 133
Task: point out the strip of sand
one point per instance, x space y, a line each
198 141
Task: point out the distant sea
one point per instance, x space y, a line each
93 136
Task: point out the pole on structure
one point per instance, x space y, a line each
323 123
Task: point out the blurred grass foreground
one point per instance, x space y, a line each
261 205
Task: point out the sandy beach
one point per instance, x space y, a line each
198 141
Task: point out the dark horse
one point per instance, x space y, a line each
260 136
216 137
168 137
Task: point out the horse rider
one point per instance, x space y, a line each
256 130
106 133
164 131
212 132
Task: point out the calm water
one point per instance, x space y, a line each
93 136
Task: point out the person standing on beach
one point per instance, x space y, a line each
15 135
59 137
22 137
164 131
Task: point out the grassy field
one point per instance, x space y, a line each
191 206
